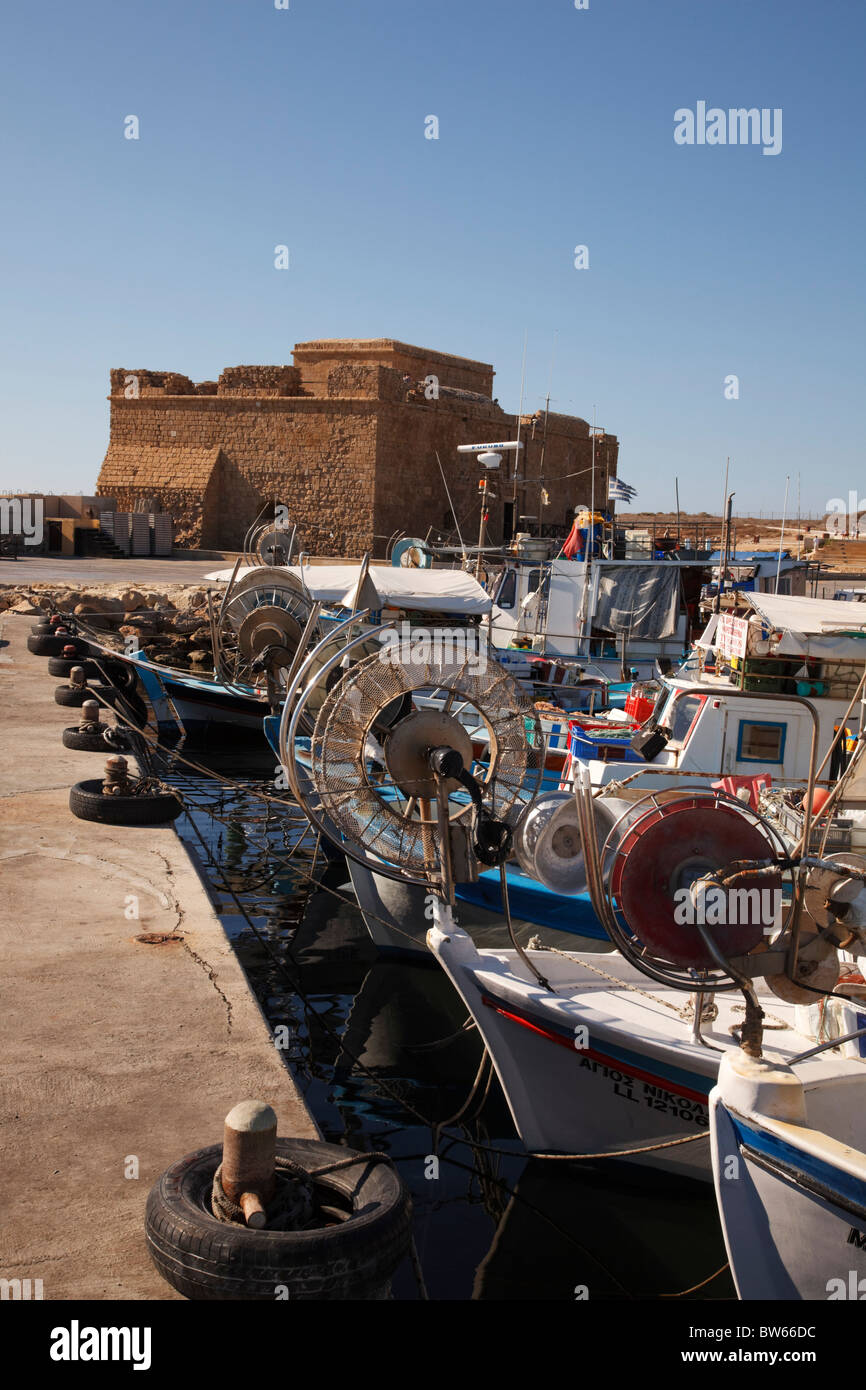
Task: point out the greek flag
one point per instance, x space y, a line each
618 491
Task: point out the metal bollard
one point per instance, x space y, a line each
76 678
115 783
249 1159
69 653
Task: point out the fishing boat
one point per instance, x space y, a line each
703 727
789 1166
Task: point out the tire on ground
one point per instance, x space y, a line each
87 802
207 1259
42 644
62 666
75 695
87 743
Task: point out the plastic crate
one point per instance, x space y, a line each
639 705
838 837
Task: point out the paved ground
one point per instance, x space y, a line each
115 1054
53 569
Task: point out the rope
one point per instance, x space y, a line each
685 1014
292 1207
622 1153
694 1288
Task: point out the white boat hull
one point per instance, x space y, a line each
594 1065
792 1198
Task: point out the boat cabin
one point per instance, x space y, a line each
737 707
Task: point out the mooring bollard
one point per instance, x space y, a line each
76 678
69 653
89 715
249 1159
115 776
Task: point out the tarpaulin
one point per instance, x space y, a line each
640 601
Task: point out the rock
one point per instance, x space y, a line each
151 622
97 603
133 599
158 601
26 608
191 598
185 625
199 656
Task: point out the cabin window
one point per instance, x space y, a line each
507 589
760 742
683 715
533 580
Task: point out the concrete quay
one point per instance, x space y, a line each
118 1057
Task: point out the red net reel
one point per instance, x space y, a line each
667 849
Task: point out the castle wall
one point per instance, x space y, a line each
345 441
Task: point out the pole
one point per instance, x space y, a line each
481 526
592 492
782 532
726 534
519 422
451 505
677 487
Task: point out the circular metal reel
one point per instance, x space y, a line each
664 845
411 553
389 812
408 742
272 540
266 607
829 894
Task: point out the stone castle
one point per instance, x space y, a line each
347 439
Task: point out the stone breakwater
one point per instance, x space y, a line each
170 623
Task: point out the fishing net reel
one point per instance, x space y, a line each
414 787
269 543
260 627
273 545
659 892
703 895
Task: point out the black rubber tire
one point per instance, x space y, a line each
62 666
121 673
41 644
43 627
87 743
74 696
87 802
206 1259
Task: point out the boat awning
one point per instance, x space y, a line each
428 591
830 629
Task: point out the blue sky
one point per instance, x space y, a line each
305 127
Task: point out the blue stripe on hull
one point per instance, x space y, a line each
833 1181
532 902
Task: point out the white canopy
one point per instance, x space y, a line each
831 629
429 591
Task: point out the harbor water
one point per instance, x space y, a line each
385 1058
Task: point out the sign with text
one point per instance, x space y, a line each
733 635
